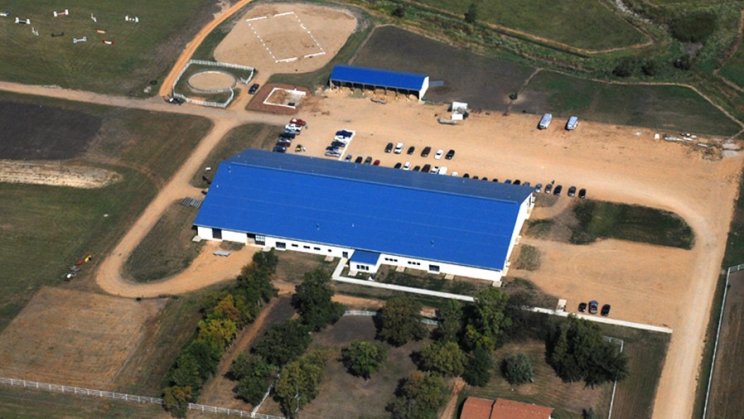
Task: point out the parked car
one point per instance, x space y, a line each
572 191
389 148
253 89
348 157
376 163
450 155
368 160
332 153
495 180
438 154
410 150
398 165
572 123
593 307
359 159
434 169
466 175
557 190
548 188
426 168
526 184
279 149
508 181
289 135
475 178
582 193
344 133
174 100
407 166
416 168
517 182
606 310
582 307
545 121
425 152
297 121
538 187
484 178
398 148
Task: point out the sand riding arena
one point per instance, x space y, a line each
210 83
286 38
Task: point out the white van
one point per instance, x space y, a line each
572 123
545 121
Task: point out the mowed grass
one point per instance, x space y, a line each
598 220
237 140
167 249
141 52
47 228
734 67
591 24
670 108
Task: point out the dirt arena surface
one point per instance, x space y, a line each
33 132
270 43
73 338
56 174
257 102
662 175
212 80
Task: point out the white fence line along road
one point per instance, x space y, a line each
599 319
729 271
103 394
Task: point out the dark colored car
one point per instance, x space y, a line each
376 163
516 182
548 188
495 180
389 148
526 184
416 168
368 160
398 165
410 150
425 152
593 307
254 88
538 187
508 181
582 193
466 176
582 307
348 157
288 135
426 168
606 310
484 178
338 144
475 177
174 100
279 149
450 154
557 190
572 191
359 159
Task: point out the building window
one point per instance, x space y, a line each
345 254
316 248
281 245
306 247
363 267
294 245
434 268
329 250
260 239
217 233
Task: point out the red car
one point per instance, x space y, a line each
297 122
376 163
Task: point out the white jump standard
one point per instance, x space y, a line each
371 215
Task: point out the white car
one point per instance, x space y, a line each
439 154
398 148
442 170
407 166
434 170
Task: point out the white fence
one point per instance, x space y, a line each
369 313
221 105
58 388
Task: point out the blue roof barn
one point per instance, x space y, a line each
347 75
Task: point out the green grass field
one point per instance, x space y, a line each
598 219
238 139
734 68
592 24
668 108
167 249
141 52
47 228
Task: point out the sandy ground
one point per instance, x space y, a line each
73 338
623 164
56 174
212 80
284 37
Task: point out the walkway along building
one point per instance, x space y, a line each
370 215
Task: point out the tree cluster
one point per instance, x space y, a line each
400 322
299 381
283 343
693 27
229 311
313 300
254 375
418 396
517 369
363 357
577 351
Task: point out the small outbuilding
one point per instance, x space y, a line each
375 78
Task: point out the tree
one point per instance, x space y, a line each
517 369
206 357
254 376
298 383
363 357
176 400
443 358
626 67
418 396
225 309
283 342
478 371
266 261
218 333
313 300
693 27
399 321
399 11
471 15
186 373
650 67
576 351
486 320
450 322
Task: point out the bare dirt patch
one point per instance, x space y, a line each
33 132
287 43
56 174
74 338
259 101
211 81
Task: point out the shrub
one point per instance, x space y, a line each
650 67
626 67
443 358
313 300
283 343
486 320
254 376
176 400
299 381
693 27
418 396
517 369
478 371
399 321
363 357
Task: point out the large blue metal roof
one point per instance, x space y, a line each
376 209
376 77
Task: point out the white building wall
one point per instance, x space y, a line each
424 88
524 213
444 268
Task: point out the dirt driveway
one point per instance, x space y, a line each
615 163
